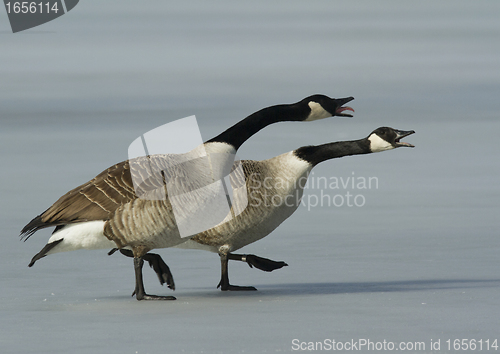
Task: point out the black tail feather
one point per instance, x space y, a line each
37 224
32 227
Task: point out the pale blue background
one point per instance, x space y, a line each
419 261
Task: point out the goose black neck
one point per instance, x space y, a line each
319 153
243 130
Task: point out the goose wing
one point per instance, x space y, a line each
95 200
146 177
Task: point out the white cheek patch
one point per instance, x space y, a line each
317 112
378 144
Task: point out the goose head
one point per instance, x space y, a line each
322 106
385 138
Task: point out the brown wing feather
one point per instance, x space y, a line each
99 198
95 200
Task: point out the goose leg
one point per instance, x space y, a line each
224 281
139 292
161 269
264 264
156 262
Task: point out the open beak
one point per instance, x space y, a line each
401 134
339 111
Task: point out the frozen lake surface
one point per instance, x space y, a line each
418 262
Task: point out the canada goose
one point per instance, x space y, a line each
107 212
275 188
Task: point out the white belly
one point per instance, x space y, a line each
85 235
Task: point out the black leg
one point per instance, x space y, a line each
264 264
140 293
161 269
224 281
156 262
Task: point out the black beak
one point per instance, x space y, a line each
340 102
401 134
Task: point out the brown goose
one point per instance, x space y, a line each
107 212
275 189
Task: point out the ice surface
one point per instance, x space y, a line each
418 262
